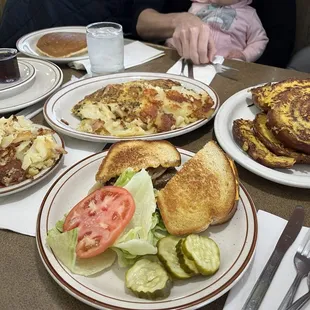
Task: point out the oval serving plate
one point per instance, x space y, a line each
240 105
57 109
9 190
236 240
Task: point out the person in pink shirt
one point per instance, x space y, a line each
234 26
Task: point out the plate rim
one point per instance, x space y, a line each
58 73
253 166
21 83
191 304
112 139
45 173
24 38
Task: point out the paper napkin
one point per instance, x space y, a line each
18 212
135 53
270 228
203 73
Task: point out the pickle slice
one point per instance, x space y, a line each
168 256
204 252
187 264
149 280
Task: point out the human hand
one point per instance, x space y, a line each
236 55
192 39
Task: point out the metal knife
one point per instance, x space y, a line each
190 67
287 238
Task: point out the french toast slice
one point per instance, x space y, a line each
204 192
265 135
266 96
137 155
244 135
289 120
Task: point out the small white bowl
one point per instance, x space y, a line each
27 76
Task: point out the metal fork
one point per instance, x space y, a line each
225 71
299 303
183 66
302 265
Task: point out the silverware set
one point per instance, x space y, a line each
301 262
220 69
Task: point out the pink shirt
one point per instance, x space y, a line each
233 27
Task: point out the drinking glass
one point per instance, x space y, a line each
9 70
105 43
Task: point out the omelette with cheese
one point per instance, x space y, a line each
141 107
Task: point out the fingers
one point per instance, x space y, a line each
177 43
203 44
193 46
211 49
185 41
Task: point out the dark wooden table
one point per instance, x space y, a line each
25 284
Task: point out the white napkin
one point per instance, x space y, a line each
135 53
270 228
203 73
18 212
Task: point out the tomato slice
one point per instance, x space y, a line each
100 218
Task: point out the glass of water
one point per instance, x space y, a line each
105 43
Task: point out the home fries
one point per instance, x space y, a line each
141 107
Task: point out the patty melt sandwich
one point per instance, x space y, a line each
204 192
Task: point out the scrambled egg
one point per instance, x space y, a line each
141 107
34 147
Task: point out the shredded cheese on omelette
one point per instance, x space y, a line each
141 107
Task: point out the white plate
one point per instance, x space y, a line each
48 79
27 44
27 76
58 107
9 190
236 240
236 107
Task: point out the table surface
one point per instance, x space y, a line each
25 283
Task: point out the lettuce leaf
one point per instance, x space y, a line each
63 245
135 238
125 177
141 235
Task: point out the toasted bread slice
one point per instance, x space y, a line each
244 135
265 135
202 193
137 154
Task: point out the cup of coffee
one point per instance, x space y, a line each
9 70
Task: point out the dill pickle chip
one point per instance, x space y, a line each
187 264
148 279
168 256
204 252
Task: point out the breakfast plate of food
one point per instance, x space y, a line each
135 105
48 77
59 44
28 152
266 129
116 241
